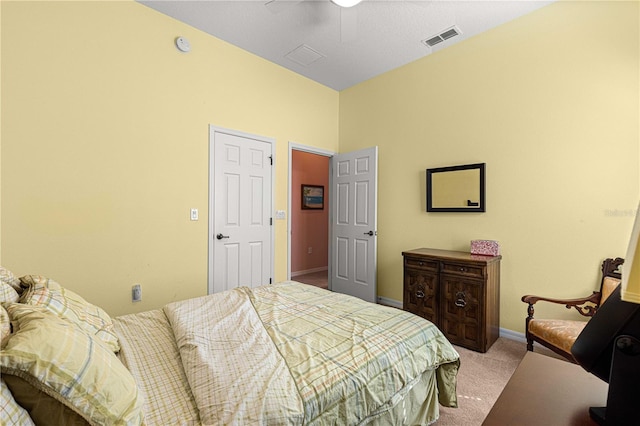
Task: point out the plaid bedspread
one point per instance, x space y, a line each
236 375
149 351
290 353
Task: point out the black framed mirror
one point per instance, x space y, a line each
456 188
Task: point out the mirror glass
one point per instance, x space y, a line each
456 188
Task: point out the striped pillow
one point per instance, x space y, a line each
10 412
41 291
62 360
5 326
7 293
7 277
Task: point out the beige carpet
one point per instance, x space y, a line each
319 279
481 379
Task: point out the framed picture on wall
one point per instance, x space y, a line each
312 197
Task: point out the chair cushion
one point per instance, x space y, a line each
608 285
560 333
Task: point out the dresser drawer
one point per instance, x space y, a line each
421 293
420 263
465 270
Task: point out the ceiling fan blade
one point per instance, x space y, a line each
348 24
277 6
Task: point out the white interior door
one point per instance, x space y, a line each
240 224
354 182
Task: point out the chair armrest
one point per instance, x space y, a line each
578 304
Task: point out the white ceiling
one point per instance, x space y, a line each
355 44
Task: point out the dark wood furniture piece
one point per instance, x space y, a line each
547 391
459 292
559 335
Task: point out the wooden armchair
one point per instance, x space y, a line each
559 335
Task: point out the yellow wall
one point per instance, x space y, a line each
105 145
1 139
552 106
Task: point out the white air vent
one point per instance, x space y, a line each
304 55
445 35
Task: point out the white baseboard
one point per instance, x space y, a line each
504 332
389 302
513 335
309 271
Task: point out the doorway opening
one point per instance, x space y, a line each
309 260
351 201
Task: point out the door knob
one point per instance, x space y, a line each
370 233
220 236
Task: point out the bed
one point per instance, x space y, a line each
282 354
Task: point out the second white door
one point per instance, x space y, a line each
353 245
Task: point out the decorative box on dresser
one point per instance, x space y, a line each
458 291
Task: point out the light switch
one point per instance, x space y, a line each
194 214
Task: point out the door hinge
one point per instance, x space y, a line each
271 221
269 280
271 159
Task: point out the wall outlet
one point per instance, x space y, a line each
194 214
136 293
310 250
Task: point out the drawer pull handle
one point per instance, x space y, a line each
462 269
420 294
421 263
460 302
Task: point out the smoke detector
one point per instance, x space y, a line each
183 44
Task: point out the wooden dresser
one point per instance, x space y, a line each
458 291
